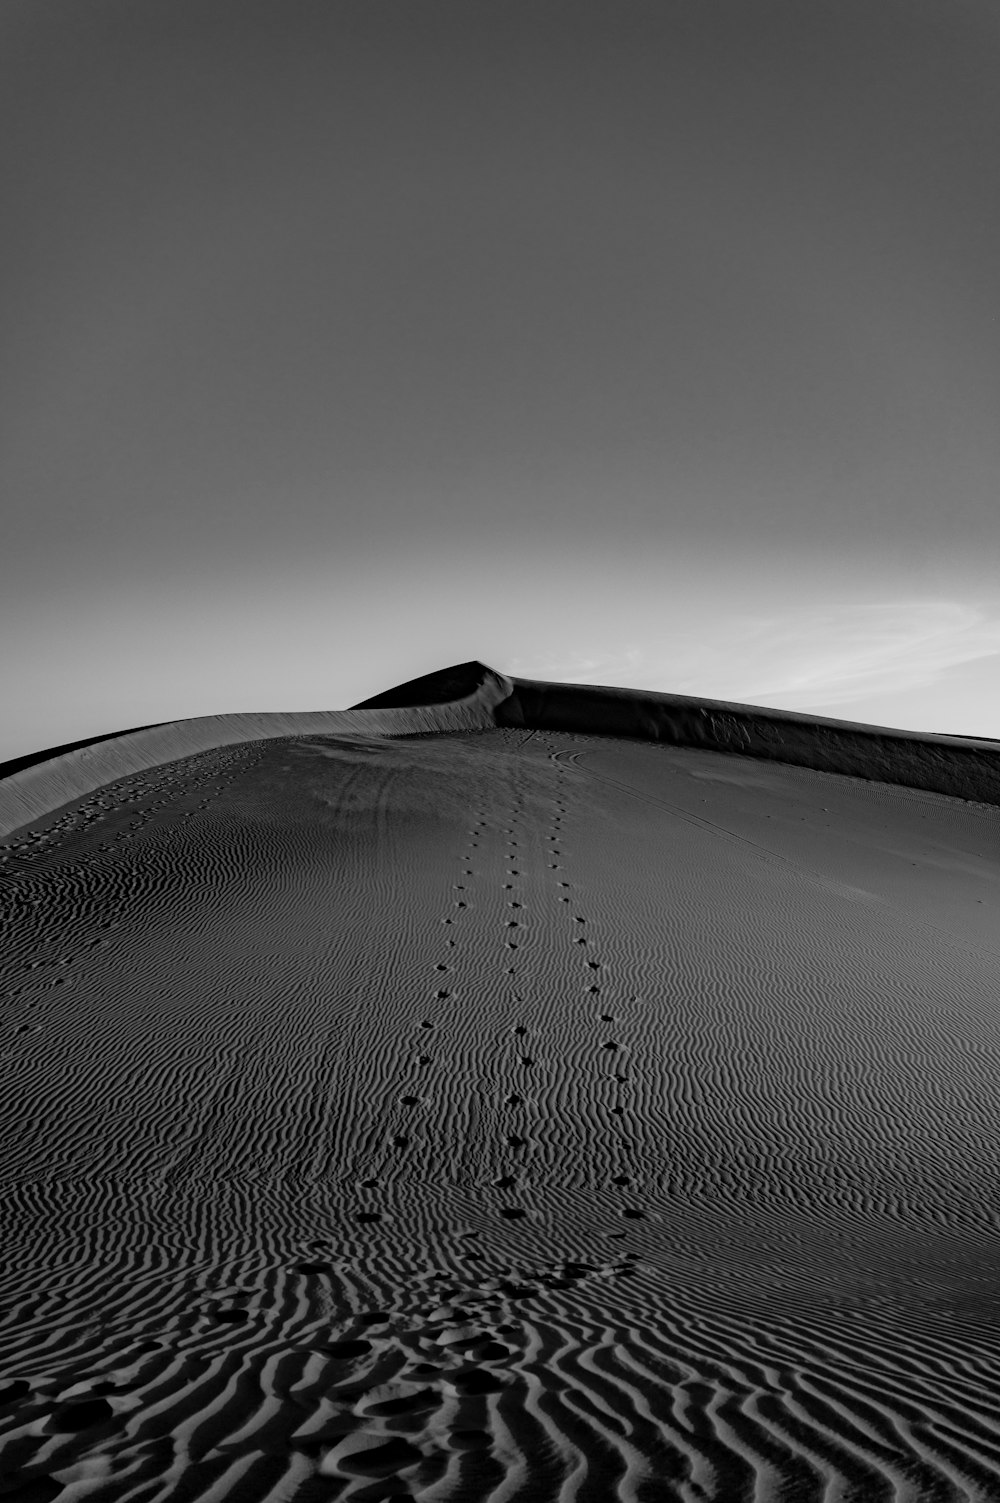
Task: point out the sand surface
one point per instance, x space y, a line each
500 1115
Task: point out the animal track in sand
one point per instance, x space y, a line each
230 1315
358 1347
83 1415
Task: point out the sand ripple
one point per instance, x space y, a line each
499 1115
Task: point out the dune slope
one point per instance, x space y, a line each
499 1114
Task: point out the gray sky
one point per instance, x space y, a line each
651 344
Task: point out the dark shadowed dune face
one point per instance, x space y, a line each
432 689
508 1113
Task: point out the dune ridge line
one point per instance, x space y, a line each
472 696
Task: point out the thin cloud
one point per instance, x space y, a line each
809 661
835 656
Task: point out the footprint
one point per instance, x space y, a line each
82 1415
424 1398
470 1440
491 1351
345 1350
476 1382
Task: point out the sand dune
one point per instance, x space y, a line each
433 1107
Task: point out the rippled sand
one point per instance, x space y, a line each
500 1115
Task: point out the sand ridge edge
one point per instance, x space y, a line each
38 790
959 767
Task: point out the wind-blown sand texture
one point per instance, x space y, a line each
416 1109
